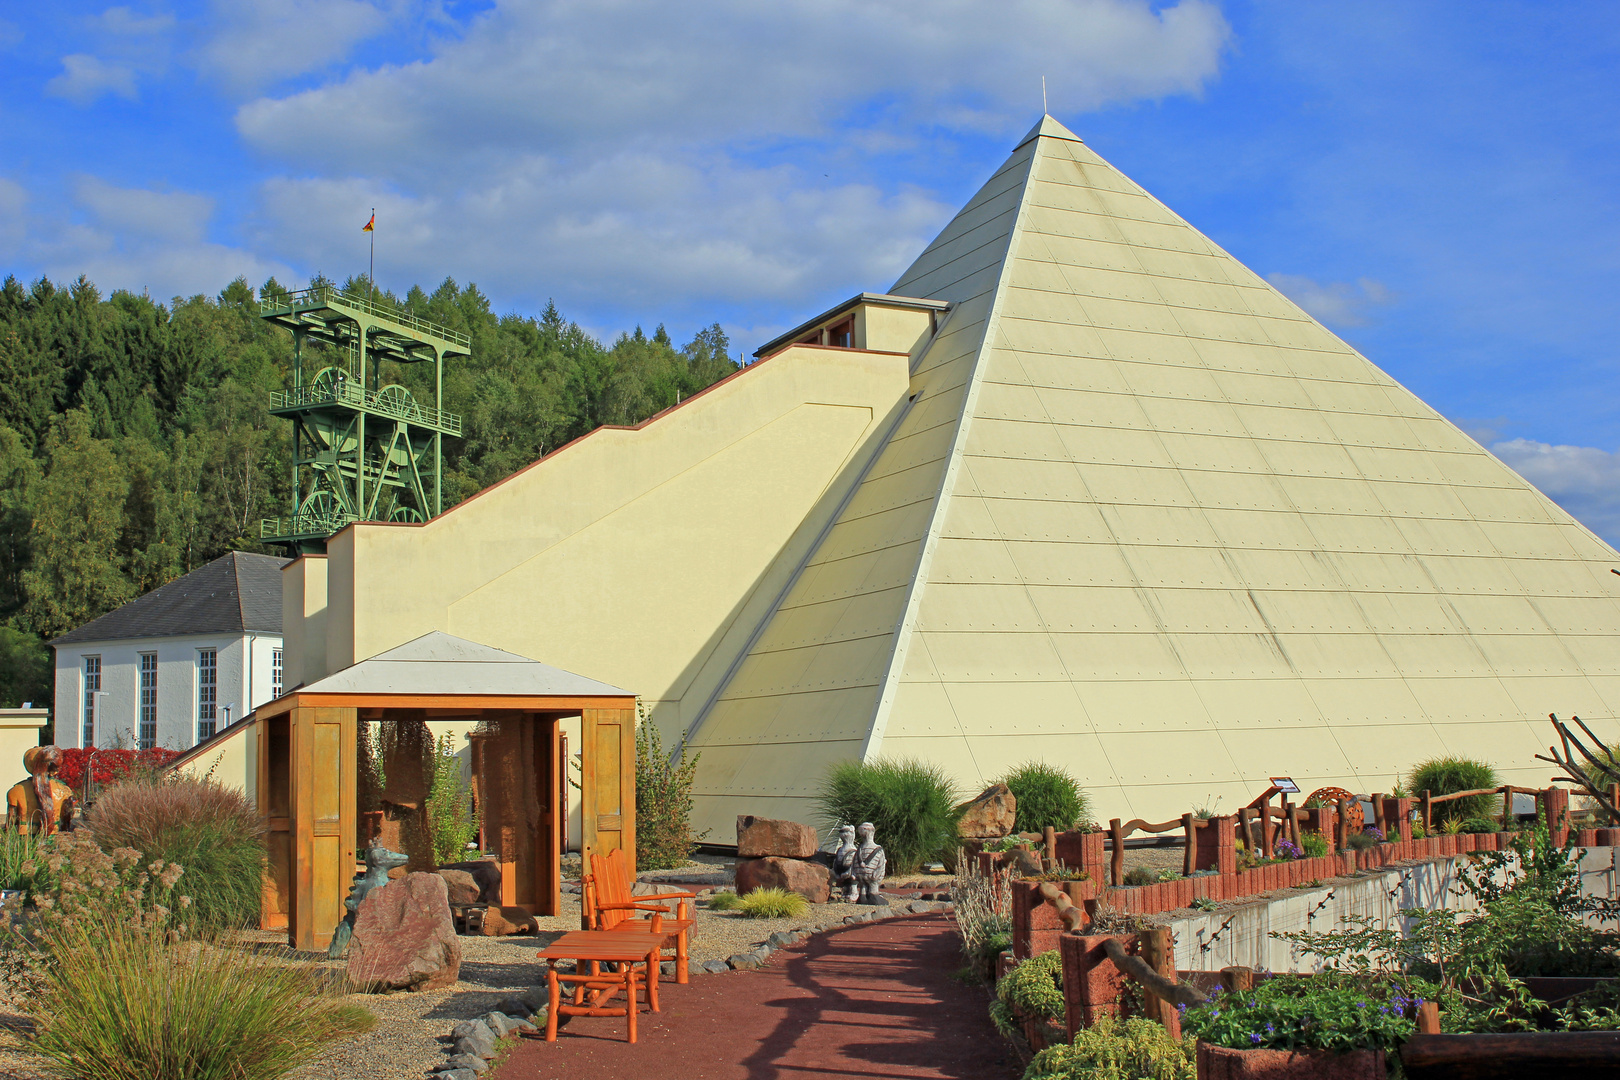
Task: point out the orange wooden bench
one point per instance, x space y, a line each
607 904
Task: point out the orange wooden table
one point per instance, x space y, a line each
593 990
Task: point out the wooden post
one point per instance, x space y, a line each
1428 1018
1116 871
1614 800
1343 823
1265 827
1049 859
1290 823
1190 827
1157 949
1235 980
1428 813
1247 833
1378 814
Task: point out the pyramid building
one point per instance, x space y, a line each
1079 488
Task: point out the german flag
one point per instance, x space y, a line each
368 226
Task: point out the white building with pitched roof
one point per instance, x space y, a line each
175 666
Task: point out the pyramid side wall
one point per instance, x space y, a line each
628 555
1198 541
810 688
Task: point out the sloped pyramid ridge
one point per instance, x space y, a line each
1147 519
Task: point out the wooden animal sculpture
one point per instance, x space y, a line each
379 860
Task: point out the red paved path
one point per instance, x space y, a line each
872 1001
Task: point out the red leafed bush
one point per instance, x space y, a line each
109 765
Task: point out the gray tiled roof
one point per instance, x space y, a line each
236 592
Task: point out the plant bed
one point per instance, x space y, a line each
1547 1055
1224 1063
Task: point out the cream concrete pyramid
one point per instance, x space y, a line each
1146 518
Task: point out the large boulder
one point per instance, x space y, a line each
404 937
811 880
462 887
990 815
759 837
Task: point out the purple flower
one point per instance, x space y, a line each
1254 1036
1375 832
1289 850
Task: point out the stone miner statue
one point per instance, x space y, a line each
42 803
870 866
844 883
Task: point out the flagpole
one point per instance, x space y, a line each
371 275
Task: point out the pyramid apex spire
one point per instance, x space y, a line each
1051 129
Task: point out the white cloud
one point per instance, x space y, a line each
131 46
86 78
639 153
1336 303
553 76
1582 479
125 238
252 43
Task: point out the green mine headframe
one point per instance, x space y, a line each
362 451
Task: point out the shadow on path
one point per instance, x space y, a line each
873 1001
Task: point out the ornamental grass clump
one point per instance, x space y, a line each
1111 1049
910 803
122 1001
725 900
195 822
1046 795
983 904
1448 775
770 904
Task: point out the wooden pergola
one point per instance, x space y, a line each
307 770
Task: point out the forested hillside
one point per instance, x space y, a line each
136 443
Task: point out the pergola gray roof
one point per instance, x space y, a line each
439 664
236 593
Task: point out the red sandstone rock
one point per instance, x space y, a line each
758 837
990 815
404 938
461 886
811 880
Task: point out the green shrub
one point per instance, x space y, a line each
664 837
771 904
1313 844
1046 795
911 804
213 832
124 1002
1479 825
1035 987
1140 875
1361 841
452 821
1446 775
1135 1049
724 901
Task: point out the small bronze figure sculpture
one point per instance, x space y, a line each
41 804
871 865
379 860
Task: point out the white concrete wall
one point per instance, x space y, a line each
1242 937
238 686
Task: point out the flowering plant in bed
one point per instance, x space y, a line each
1307 1012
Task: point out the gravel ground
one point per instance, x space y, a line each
412 1029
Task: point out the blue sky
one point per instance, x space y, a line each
1437 183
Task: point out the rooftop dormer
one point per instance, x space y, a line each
873 321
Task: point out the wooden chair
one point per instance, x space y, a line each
608 904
